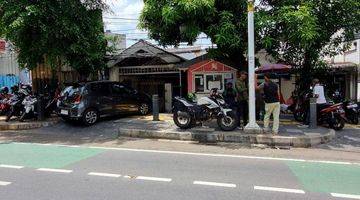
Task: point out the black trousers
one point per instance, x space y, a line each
243 112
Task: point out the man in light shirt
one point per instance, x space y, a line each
319 93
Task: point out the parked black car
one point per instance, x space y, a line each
87 102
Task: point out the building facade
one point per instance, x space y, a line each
346 70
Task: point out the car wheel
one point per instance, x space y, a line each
90 117
144 108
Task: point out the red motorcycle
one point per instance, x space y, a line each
4 103
331 114
334 116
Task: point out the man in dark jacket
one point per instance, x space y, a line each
242 91
272 103
230 95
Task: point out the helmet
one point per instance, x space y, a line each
4 90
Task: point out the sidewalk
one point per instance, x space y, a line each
289 134
14 124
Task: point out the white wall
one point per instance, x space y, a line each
9 64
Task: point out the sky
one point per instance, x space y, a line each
123 16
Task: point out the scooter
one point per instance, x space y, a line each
30 111
16 102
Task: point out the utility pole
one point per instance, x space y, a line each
252 126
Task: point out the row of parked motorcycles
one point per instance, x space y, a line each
21 102
188 113
335 114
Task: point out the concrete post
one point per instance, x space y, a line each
313 113
252 126
155 107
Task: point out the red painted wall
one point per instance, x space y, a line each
207 66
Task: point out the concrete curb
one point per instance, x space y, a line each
231 137
27 125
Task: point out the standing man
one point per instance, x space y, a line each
272 103
230 95
242 98
321 103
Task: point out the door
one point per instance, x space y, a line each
124 101
101 95
168 97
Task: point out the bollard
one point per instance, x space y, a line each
40 108
313 113
155 107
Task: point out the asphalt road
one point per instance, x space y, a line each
45 171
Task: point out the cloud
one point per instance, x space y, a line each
131 9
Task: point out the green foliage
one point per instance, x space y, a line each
297 32
302 32
224 21
54 32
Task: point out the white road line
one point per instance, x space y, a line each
153 179
3 183
12 166
104 174
205 154
274 189
55 170
214 184
348 196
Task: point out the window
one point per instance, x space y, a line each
118 89
204 83
199 83
100 88
214 81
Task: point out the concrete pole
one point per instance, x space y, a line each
252 126
313 113
155 108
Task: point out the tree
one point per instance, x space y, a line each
296 32
50 32
224 21
302 32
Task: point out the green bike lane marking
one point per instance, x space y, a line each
327 177
40 156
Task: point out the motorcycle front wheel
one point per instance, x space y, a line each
9 115
228 122
299 115
182 119
337 123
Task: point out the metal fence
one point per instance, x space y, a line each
9 70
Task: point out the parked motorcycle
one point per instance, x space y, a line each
331 114
188 114
15 102
30 108
334 116
301 105
351 112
